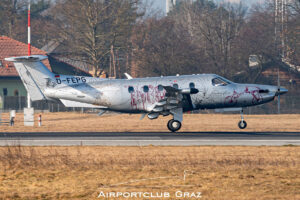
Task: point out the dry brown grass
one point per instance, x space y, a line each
119 123
82 172
217 172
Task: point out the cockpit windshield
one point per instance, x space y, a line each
220 81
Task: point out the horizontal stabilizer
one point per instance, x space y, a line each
33 58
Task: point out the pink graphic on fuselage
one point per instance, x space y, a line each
233 99
140 100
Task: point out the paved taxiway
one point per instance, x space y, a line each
149 138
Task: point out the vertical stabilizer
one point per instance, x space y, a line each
34 75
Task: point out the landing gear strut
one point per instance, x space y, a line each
174 125
242 124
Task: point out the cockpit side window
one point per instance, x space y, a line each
220 82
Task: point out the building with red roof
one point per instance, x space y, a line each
10 82
11 48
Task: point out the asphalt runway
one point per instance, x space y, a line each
150 138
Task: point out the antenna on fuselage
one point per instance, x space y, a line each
128 76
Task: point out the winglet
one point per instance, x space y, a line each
128 76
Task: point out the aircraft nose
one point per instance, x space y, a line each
281 91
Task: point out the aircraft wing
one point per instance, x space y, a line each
173 102
171 90
69 103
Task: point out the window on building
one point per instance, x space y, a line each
160 88
175 85
192 85
1 65
130 89
146 88
4 91
16 93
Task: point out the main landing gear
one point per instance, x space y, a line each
174 125
242 124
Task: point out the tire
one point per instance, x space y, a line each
242 124
174 125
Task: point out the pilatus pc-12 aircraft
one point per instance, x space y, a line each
155 96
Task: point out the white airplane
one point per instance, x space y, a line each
155 96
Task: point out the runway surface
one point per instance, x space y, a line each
149 138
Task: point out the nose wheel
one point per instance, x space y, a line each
174 125
242 124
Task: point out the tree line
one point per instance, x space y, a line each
119 36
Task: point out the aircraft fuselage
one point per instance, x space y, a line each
140 95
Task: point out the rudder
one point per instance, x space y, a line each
34 74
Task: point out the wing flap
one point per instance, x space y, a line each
69 103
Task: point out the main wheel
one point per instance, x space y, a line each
174 125
242 124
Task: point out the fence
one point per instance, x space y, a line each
289 104
18 103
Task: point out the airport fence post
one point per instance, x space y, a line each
12 121
40 120
12 115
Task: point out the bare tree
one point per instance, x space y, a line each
159 50
9 16
95 29
214 29
293 33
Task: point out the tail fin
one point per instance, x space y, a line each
34 74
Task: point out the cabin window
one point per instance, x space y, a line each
220 82
146 88
130 89
175 85
160 88
4 91
192 85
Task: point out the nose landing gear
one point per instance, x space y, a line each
174 125
242 124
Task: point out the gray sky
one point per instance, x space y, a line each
161 4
